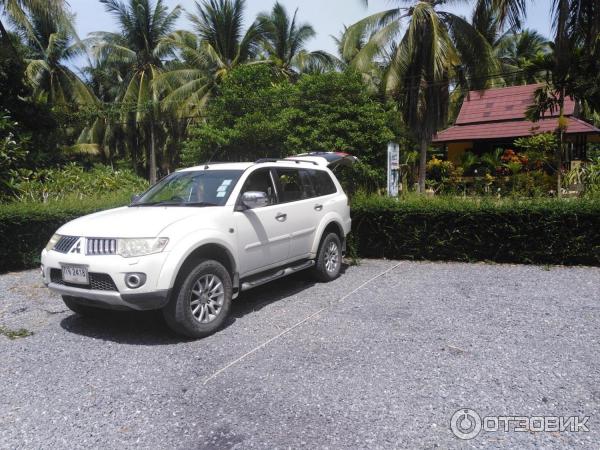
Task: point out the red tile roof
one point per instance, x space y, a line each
509 129
509 103
500 113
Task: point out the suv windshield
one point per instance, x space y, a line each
192 188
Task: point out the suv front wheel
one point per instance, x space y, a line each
201 301
329 258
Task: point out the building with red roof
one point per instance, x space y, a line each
494 118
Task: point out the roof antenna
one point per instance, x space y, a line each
215 153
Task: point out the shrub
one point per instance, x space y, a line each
25 228
59 184
508 231
257 114
587 175
452 229
12 153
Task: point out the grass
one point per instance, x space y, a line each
15 334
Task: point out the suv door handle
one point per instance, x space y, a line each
318 207
281 217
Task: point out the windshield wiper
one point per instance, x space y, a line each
152 204
197 204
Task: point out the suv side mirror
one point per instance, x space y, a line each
255 199
135 198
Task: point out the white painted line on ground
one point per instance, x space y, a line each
296 325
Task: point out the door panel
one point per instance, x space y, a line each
263 239
296 200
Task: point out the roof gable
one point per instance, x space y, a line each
501 104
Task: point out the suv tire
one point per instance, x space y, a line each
201 300
74 304
329 258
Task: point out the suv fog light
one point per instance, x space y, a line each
135 280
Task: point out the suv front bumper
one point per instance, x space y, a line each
147 297
114 300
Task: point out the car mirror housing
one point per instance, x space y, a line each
255 199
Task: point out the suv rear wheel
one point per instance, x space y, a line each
329 258
201 301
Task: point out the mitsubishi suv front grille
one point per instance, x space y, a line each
100 246
65 243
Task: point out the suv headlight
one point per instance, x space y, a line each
129 248
52 242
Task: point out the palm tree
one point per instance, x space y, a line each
187 84
576 26
218 45
436 47
18 11
219 25
284 41
518 54
51 45
143 25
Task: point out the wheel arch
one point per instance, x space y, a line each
187 256
207 251
332 225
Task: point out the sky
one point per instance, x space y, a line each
327 17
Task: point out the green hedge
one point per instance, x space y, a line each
25 228
541 231
508 231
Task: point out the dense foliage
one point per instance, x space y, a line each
542 231
74 181
149 86
261 114
25 228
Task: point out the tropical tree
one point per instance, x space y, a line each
571 64
436 47
218 44
284 41
350 45
52 43
220 26
518 54
143 25
18 10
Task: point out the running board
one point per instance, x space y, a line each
279 274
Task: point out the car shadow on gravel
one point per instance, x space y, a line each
149 327
123 327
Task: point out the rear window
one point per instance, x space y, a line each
322 183
301 184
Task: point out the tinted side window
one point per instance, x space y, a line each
323 183
308 184
260 181
291 188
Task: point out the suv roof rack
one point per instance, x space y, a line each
297 161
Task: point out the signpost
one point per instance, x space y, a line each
393 169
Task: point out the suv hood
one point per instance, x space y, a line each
142 222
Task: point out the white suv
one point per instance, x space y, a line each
199 237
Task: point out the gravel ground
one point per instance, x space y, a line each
357 363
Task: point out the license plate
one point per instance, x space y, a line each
75 274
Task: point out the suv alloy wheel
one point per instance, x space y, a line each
201 302
329 258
